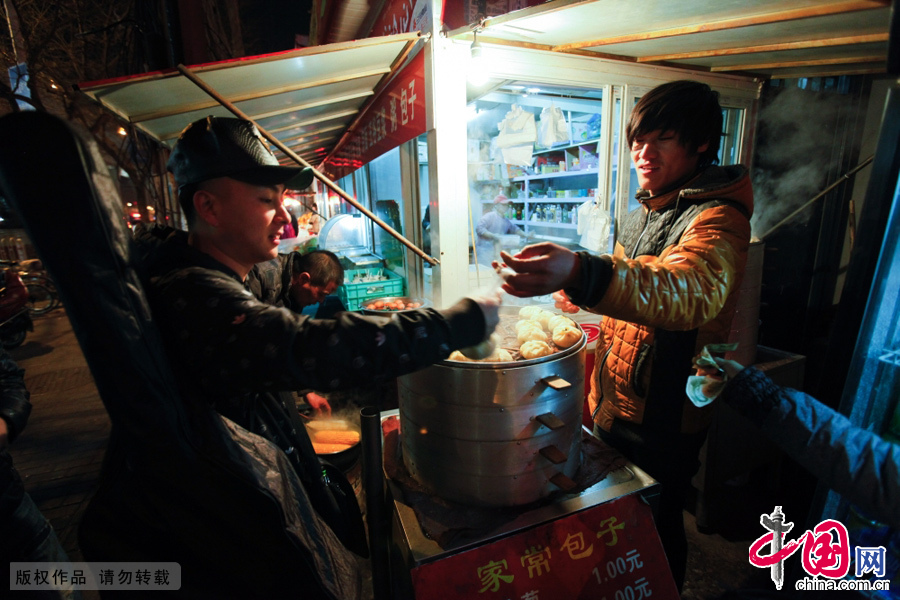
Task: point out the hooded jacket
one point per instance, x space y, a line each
668 290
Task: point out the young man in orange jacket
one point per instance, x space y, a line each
667 290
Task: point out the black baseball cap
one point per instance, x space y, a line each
228 147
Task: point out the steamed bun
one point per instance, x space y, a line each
457 355
527 324
557 320
534 349
529 312
528 334
544 317
499 355
566 335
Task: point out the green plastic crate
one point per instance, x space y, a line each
353 295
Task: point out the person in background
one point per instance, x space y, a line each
25 534
667 291
491 226
314 220
296 281
426 230
288 232
295 225
235 353
313 277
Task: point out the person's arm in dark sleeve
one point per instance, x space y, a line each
595 273
856 463
229 341
353 349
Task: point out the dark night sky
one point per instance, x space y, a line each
270 25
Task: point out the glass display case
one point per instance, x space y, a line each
557 172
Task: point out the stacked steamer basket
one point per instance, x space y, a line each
505 431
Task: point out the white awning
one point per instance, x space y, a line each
306 98
310 98
767 38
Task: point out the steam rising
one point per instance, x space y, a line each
796 134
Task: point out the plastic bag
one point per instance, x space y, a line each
553 128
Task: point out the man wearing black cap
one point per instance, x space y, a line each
218 164
231 351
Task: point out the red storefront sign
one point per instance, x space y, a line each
460 13
608 551
400 16
396 116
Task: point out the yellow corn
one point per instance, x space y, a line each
329 448
334 436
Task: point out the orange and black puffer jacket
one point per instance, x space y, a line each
668 290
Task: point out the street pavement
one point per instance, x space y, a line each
59 453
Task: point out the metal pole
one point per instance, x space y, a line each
376 505
320 176
846 175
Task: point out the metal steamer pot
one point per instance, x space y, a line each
494 434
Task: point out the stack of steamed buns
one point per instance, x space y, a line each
539 333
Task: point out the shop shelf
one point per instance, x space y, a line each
557 175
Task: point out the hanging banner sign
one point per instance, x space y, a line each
609 551
402 16
396 116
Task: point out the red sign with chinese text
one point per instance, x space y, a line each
608 551
396 116
396 17
460 13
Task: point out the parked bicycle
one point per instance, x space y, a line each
42 294
15 322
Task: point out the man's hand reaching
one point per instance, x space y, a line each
537 270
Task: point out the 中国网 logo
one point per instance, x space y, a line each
825 553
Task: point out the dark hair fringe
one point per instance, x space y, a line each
689 108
